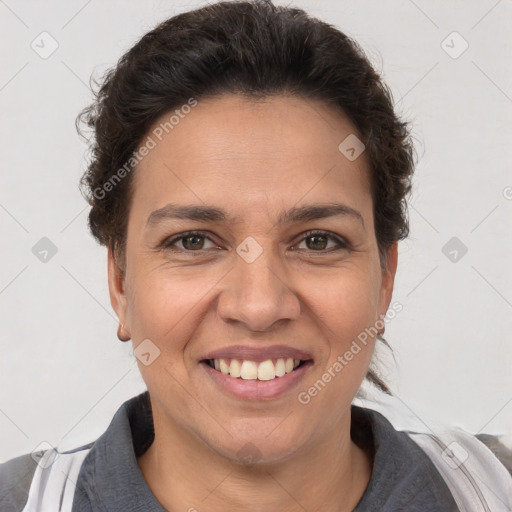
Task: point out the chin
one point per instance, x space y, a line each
257 448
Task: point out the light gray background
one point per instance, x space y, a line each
63 371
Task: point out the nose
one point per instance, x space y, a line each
258 294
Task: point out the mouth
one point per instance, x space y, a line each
246 379
246 369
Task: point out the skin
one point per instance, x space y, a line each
253 159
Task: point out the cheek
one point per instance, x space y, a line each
347 312
163 309
348 308
162 305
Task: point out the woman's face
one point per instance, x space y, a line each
252 284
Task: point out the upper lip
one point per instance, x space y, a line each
258 353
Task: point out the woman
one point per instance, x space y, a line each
249 179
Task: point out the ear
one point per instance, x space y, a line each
116 287
388 277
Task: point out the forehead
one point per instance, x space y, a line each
242 151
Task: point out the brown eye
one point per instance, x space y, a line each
193 242
188 242
318 241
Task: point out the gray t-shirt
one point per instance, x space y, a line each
403 477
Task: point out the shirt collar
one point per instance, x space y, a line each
110 478
403 477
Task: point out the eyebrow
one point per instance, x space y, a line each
206 213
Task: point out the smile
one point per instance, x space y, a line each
252 370
246 379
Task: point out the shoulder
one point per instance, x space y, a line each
55 476
403 419
475 468
15 478
24 480
476 476
498 448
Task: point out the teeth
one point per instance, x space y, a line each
250 370
266 370
280 368
235 368
224 368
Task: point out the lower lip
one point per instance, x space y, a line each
257 389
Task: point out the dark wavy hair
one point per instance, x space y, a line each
255 49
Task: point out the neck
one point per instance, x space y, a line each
185 474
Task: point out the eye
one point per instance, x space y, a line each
191 241
320 241
194 241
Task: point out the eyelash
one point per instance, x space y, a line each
342 244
